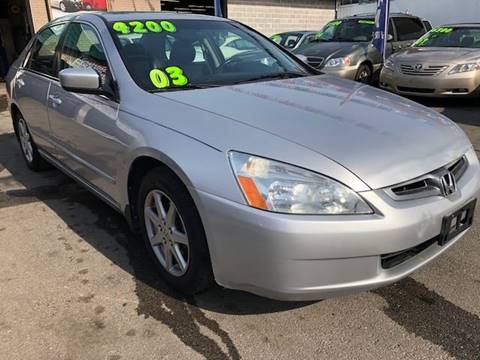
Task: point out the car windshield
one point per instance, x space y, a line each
163 55
288 40
459 37
351 30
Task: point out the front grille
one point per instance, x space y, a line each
315 61
391 260
415 90
417 70
427 185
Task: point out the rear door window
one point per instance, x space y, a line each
408 28
42 54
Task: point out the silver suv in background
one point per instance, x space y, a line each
344 47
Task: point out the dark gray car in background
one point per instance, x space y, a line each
344 46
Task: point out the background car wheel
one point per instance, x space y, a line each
63 7
173 232
364 74
29 150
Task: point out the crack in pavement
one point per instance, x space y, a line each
426 314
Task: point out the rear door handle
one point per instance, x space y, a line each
55 100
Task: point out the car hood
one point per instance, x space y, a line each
436 54
380 137
331 49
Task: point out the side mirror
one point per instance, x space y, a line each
389 37
302 58
83 81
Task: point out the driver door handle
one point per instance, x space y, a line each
55 100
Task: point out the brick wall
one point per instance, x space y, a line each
267 16
134 5
39 13
275 16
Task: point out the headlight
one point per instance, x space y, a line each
389 65
463 68
337 62
283 188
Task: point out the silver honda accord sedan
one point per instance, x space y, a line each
245 168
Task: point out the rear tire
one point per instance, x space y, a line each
173 232
364 74
30 153
63 7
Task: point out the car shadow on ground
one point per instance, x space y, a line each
66 198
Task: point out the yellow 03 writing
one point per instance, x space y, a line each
172 75
177 76
159 79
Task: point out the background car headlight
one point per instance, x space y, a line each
278 187
462 68
337 62
389 64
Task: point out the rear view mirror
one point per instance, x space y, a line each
84 81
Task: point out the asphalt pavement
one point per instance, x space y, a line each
74 284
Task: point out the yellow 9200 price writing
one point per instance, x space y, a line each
443 30
141 27
172 75
334 23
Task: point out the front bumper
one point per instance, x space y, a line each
294 257
444 85
346 72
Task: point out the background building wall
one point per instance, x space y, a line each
266 16
134 5
275 16
437 11
39 12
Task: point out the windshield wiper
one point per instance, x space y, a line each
281 76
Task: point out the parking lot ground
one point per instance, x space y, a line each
74 284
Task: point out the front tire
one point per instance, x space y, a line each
30 153
173 232
364 74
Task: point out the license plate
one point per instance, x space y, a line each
457 222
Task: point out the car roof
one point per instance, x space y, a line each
463 25
297 32
372 15
146 15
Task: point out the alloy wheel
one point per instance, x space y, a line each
364 75
167 233
25 140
